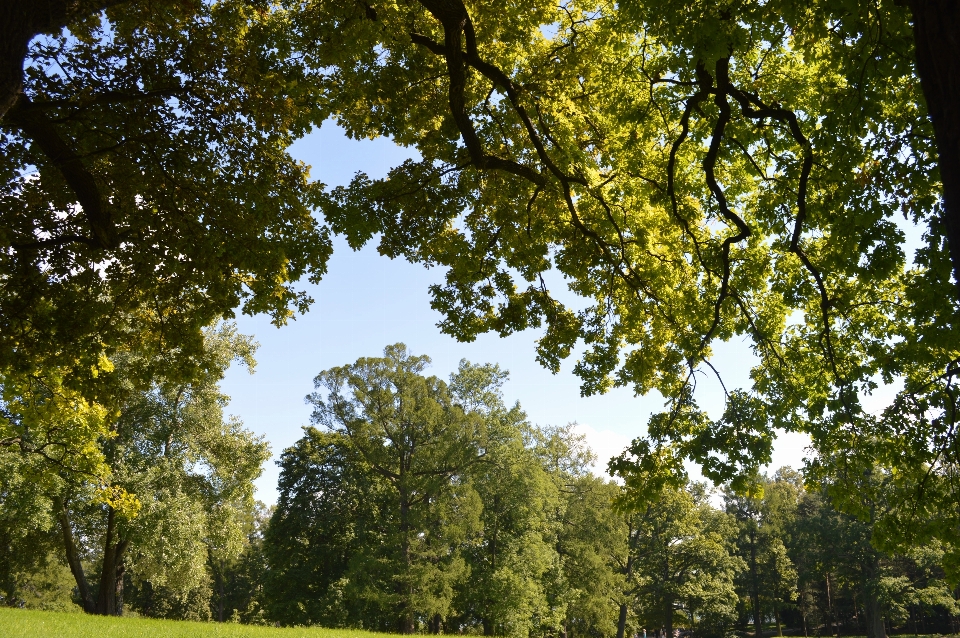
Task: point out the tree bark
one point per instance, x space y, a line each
20 22
407 625
622 619
73 558
111 573
872 609
936 32
755 588
41 131
487 627
23 20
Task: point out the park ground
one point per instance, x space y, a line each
23 623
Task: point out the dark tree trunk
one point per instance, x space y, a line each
628 572
755 589
407 624
73 558
622 620
106 602
20 22
872 609
121 569
487 627
830 608
936 32
803 613
109 602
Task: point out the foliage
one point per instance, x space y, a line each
25 521
41 417
594 548
686 564
765 516
326 512
173 603
501 533
694 173
418 438
238 581
173 485
145 165
512 558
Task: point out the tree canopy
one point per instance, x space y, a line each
692 172
695 173
145 166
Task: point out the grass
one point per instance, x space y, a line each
23 623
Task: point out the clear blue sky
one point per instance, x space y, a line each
366 302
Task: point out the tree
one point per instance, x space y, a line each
420 439
512 559
684 562
26 542
328 509
595 544
694 171
177 485
239 593
764 517
144 164
742 168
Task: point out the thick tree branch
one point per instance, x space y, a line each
73 556
754 108
101 98
464 124
41 131
709 165
691 104
20 22
936 31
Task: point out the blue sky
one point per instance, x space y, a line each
366 302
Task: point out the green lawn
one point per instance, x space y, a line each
22 623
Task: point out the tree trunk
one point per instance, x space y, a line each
121 568
73 558
936 33
23 20
755 591
830 608
106 602
803 612
406 613
872 609
20 21
628 572
220 590
622 621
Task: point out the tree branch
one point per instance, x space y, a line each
36 126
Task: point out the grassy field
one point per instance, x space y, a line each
21 623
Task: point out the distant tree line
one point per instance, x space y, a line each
418 505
